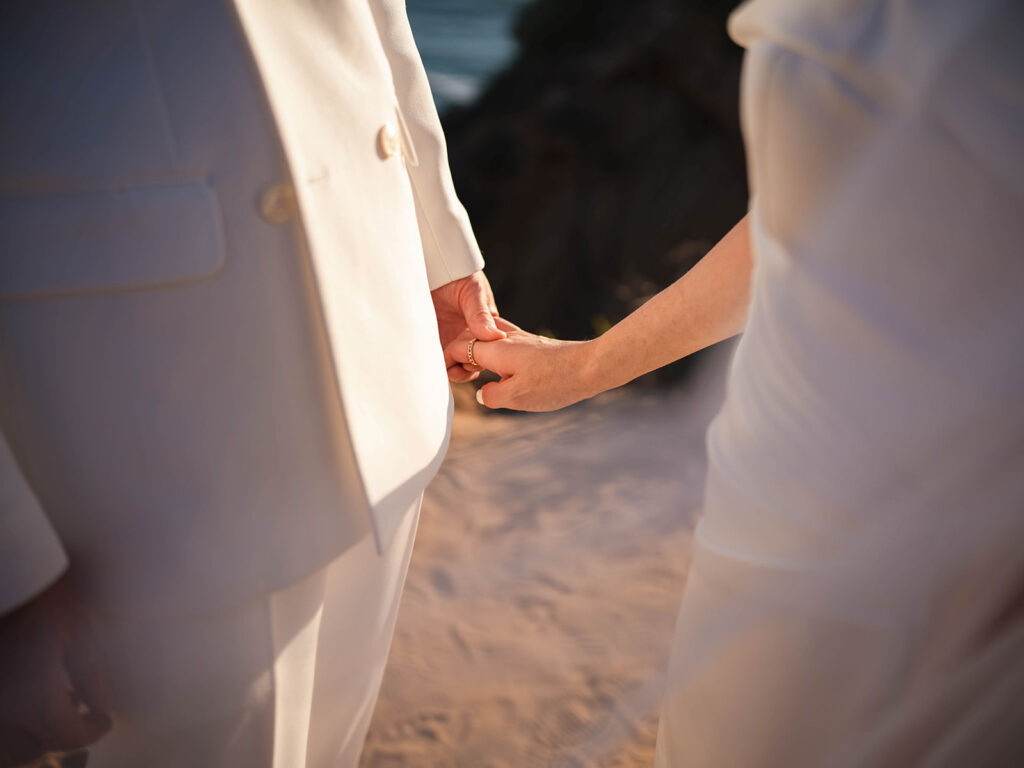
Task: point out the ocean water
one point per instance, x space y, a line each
463 43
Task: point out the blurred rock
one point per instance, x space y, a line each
605 160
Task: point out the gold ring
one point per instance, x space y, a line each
469 354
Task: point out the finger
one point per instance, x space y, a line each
82 659
491 356
458 374
61 725
497 394
69 730
481 323
457 353
449 359
477 312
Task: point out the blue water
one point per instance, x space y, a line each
463 43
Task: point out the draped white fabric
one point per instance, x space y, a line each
858 571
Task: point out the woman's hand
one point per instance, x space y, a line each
706 305
537 373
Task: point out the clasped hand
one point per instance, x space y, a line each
537 373
706 305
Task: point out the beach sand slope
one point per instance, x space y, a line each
541 599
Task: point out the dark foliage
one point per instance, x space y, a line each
605 160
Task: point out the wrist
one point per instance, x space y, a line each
589 368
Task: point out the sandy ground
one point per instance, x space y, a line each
540 603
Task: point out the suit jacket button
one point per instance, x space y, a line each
277 203
387 140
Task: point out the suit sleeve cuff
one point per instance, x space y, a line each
450 250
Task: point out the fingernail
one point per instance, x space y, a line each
480 396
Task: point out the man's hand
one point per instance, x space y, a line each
51 695
465 304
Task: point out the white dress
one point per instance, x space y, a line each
857 590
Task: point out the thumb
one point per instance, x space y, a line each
497 394
478 315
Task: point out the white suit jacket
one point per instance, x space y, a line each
219 225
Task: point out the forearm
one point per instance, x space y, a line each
706 305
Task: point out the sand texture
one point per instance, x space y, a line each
542 595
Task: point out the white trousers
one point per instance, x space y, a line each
286 681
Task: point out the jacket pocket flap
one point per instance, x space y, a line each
107 240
